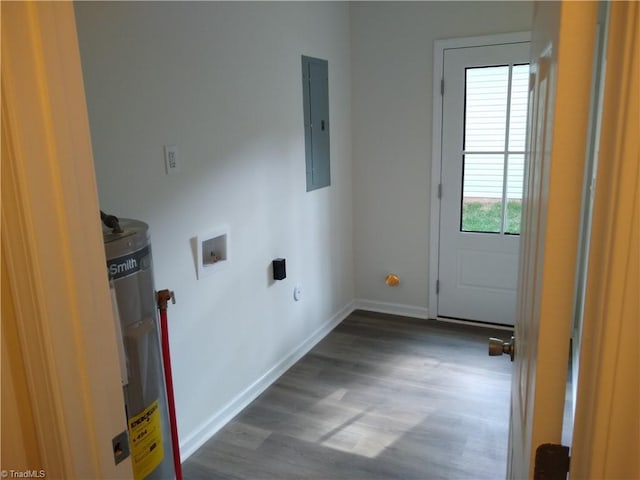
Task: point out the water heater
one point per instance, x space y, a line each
128 252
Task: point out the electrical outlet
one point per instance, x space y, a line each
171 160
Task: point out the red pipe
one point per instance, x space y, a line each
163 297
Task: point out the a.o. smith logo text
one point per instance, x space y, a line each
127 264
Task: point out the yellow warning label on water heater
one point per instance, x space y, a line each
145 434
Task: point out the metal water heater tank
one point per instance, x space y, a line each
129 265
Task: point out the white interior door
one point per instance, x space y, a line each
484 114
562 67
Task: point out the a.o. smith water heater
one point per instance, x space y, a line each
128 252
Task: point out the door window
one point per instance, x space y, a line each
495 117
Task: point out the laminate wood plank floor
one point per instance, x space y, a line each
381 397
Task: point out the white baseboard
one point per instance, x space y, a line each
392 308
419 312
489 326
196 439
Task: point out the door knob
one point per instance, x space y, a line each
498 347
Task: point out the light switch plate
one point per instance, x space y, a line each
171 160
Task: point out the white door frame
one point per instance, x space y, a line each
436 141
606 438
53 250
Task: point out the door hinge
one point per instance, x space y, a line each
439 190
437 286
552 462
442 86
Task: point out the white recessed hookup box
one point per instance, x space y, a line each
213 251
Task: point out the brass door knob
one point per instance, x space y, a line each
499 347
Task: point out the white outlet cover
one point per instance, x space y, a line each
297 293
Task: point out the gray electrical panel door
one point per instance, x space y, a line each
315 88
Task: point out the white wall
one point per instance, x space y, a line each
392 77
222 81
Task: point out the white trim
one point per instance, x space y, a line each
439 47
488 326
392 308
25 289
196 439
588 192
53 241
605 437
482 40
420 313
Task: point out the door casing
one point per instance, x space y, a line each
53 250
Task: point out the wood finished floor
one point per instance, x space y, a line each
381 397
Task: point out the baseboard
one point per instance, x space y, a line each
489 326
196 439
392 308
419 312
